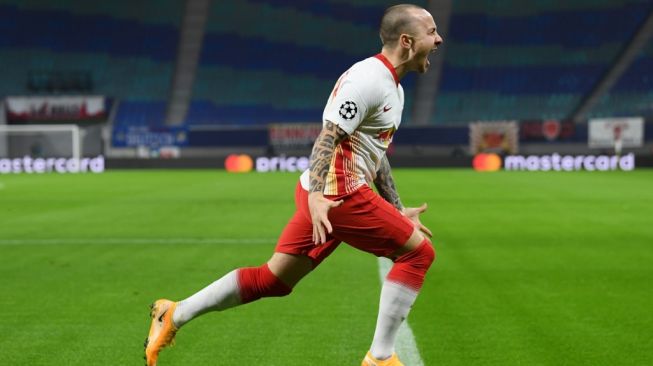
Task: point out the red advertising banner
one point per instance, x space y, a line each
54 108
546 130
293 135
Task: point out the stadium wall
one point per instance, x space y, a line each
218 162
437 146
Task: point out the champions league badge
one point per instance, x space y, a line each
348 110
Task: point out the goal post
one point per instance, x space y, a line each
55 141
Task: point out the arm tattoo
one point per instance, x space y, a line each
385 184
323 150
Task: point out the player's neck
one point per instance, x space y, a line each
398 60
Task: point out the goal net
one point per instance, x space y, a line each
40 141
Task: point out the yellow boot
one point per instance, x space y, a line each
371 361
162 330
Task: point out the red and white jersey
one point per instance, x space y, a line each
366 102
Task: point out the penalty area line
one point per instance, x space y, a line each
128 241
406 344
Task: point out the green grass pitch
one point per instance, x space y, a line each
532 269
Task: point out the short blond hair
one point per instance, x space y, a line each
396 20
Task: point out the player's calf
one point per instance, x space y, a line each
237 287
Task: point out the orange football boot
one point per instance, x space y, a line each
162 330
371 361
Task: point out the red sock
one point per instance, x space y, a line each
410 268
258 282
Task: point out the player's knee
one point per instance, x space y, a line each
278 289
258 282
426 254
410 269
421 257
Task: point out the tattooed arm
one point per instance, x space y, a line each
330 137
385 184
319 206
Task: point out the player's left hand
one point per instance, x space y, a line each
413 214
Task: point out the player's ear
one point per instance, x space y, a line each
405 41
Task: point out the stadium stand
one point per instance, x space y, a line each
295 51
128 49
507 61
634 91
502 61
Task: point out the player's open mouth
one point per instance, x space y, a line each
428 56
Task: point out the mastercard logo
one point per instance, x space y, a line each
486 162
235 163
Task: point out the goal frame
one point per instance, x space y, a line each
73 129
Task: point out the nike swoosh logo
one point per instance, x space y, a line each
386 108
161 316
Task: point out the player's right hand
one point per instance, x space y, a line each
413 214
319 207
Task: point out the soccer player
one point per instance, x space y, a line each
335 202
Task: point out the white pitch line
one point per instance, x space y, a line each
406 345
118 241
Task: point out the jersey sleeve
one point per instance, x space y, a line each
348 105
